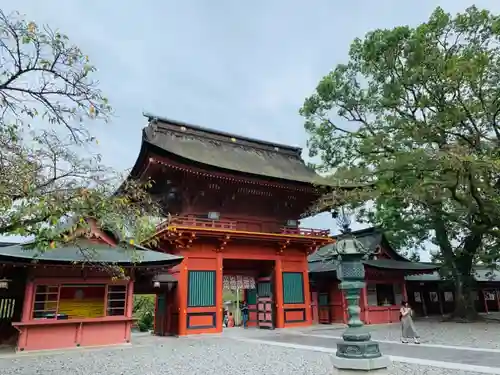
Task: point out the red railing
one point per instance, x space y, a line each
306 231
189 221
195 222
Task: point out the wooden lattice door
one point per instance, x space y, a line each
265 303
9 305
160 315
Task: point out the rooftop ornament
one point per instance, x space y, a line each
357 352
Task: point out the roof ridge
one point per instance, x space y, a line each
271 146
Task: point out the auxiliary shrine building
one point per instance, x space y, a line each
70 296
385 276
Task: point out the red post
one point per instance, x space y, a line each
307 293
219 292
130 298
156 315
485 301
278 279
334 298
182 295
130 308
29 292
405 293
364 305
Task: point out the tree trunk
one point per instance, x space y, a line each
465 309
460 265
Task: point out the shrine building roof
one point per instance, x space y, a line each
372 239
89 252
480 273
383 264
228 152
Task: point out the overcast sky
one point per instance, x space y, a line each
238 66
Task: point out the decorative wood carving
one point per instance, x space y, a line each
282 247
223 242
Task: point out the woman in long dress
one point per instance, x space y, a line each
408 329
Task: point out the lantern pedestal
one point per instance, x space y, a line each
357 353
374 366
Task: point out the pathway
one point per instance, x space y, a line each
398 351
432 331
248 352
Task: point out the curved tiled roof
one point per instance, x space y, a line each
230 152
371 238
481 274
89 252
386 264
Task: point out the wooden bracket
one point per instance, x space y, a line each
184 240
223 243
282 247
312 248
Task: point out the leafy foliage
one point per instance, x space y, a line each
47 168
143 310
414 115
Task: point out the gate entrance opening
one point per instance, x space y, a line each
250 282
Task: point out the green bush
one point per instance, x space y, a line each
145 322
144 308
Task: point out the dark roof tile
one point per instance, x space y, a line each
91 253
231 152
387 264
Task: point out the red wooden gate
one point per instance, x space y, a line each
159 327
314 307
265 313
265 303
324 313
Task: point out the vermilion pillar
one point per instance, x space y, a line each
182 296
307 293
405 293
278 280
130 298
155 323
219 291
130 308
364 306
29 292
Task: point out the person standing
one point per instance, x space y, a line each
224 317
408 330
230 320
244 314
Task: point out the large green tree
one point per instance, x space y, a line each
415 116
48 167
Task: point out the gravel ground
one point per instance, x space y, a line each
205 355
481 335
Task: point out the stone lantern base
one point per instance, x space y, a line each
369 366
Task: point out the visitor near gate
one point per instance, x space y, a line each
408 329
225 317
230 320
244 314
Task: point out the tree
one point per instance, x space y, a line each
414 115
47 169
